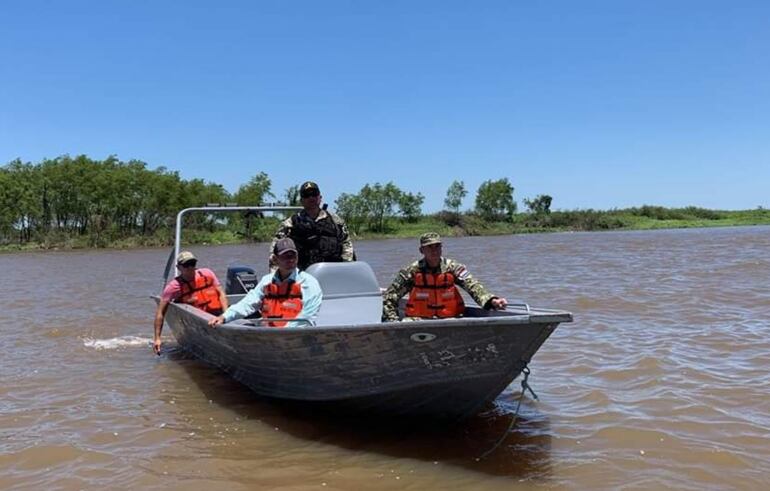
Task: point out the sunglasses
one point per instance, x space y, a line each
309 194
188 264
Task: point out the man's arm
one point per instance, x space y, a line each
402 284
248 304
171 291
348 254
222 297
467 282
160 314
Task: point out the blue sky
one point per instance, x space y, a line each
600 104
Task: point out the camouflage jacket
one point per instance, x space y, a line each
404 282
309 250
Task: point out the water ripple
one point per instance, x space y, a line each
660 383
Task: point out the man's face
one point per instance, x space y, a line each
431 252
188 270
310 199
287 261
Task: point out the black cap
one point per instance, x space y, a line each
308 187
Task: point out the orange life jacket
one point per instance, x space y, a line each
283 301
434 295
200 293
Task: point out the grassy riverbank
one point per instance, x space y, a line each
645 218
447 224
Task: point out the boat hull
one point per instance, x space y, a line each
446 369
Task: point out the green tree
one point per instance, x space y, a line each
58 199
8 215
292 195
22 201
410 206
494 200
541 205
353 210
199 193
163 197
255 192
380 201
455 195
125 188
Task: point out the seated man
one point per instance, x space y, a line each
432 286
198 287
286 294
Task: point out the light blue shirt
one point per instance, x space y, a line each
311 298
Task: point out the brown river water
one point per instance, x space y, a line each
662 381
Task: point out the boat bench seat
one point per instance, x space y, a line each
351 294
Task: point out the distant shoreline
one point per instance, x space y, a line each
458 225
79 203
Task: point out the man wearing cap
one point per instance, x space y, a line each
198 287
432 285
320 235
287 293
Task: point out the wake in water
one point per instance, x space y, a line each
115 343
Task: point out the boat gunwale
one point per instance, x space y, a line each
534 317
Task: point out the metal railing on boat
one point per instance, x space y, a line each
214 209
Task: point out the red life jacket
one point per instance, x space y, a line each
283 301
434 295
200 293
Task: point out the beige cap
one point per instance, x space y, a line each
185 256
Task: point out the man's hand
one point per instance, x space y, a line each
498 303
156 346
217 321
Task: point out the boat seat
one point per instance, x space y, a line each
351 294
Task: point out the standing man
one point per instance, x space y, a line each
198 287
320 235
432 286
287 293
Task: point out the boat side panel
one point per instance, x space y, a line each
349 364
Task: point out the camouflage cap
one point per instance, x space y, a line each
308 187
185 256
430 238
284 245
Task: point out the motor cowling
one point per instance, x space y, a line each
240 279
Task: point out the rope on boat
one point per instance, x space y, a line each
524 388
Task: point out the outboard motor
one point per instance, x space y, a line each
240 279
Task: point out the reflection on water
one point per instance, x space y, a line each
661 381
490 442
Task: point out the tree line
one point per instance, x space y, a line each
104 200
83 202
101 201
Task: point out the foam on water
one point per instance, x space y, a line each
115 343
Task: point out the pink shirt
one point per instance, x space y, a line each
173 290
